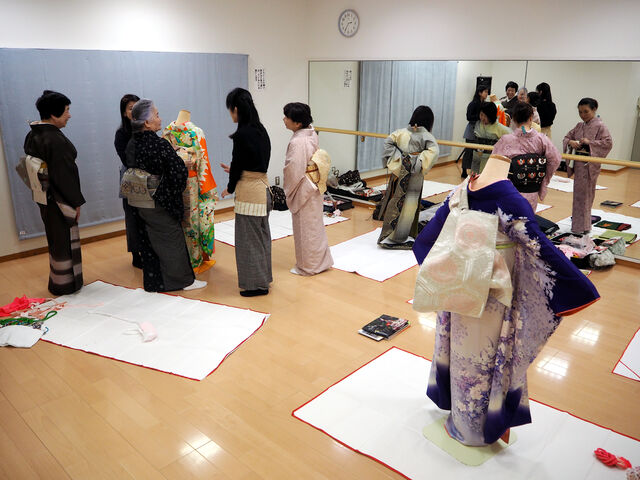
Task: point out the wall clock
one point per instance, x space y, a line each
348 23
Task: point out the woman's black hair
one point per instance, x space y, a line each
490 110
298 112
51 104
423 117
124 101
479 89
241 99
545 92
534 98
511 84
591 102
522 112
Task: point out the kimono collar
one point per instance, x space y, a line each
519 133
304 132
417 130
595 119
180 126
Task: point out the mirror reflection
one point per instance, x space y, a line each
380 96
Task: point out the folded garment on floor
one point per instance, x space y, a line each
19 336
18 304
620 227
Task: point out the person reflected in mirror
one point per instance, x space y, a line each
546 108
510 99
248 180
590 137
534 158
304 194
473 115
409 154
165 260
487 131
64 198
123 135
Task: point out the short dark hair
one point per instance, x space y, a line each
545 92
423 117
522 112
51 104
591 102
124 101
298 112
511 84
534 98
490 110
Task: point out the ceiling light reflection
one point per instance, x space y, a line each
553 366
587 334
427 320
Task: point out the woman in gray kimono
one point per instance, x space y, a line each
409 153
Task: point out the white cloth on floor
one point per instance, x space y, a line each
363 256
194 337
565 223
629 364
566 184
430 188
542 207
381 409
280 223
19 336
637 204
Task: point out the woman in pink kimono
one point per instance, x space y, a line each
534 158
304 198
592 138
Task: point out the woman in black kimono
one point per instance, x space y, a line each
64 198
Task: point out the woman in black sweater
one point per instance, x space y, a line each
123 135
248 180
546 108
473 115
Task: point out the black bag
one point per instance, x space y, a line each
349 178
527 172
279 199
547 226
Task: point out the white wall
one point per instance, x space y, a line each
451 30
335 105
269 32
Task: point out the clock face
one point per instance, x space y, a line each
348 23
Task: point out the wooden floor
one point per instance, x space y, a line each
69 414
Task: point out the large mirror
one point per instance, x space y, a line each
379 97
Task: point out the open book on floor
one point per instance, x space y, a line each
385 326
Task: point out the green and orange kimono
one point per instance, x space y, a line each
200 195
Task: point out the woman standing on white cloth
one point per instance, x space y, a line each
304 197
589 137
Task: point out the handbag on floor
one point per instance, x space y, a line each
138 187
279 198
463 264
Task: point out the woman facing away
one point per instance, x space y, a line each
479 368
534 158
61 212
165 260
546 108
473 115
590 137
487 131
248 180
304 198
409 153
123 135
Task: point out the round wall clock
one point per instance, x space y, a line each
348 23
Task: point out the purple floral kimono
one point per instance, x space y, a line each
479 368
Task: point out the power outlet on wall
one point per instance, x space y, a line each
277 180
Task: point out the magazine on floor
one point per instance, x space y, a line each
384 327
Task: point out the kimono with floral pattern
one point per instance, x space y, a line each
200 195
479 368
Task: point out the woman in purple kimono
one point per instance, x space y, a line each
479 368
534 158
304 198
590 137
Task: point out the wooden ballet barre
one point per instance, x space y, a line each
478 146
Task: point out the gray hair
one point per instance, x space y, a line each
522 88
141 112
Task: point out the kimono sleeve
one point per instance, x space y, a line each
63 173
297 187
571 135
430 233
572 291
429 155
603 141
553 162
